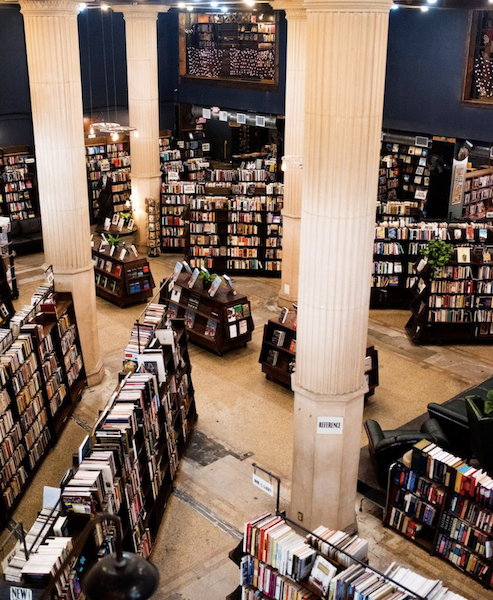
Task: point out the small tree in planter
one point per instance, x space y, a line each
207 279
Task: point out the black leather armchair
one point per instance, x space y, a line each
385 447
481 432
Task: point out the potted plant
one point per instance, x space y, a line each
126 216
207 279
438 255
113 240
486 405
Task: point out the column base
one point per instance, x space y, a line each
96 376
286 300
327 433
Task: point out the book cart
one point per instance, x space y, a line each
42 377
432 503
122 281
126 465
219 324
278 353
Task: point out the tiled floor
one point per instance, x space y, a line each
244 418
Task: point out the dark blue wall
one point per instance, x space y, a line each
423 87
425 67
15 101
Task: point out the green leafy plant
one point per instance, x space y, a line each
126 216
488 403
207 279
113 240
438 254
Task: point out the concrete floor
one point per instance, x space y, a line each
244 418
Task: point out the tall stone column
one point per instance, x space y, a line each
346 50
293 146
143 107
52 45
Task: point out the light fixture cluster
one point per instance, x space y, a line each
214 4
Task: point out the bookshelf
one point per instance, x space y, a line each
433 503
455 305
153 209
278 353
398 245
122 280
7 254
478 195
219 324
41 375
105 158
18 189
125 466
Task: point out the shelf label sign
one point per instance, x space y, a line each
264 485
14 592
330 425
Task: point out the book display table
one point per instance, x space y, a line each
124 281
219 324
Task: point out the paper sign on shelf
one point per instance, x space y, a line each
264 485
330 425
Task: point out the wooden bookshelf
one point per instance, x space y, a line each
478 195
427 504
278 353
219 324
18 187
454 306
122 282
130 470
6 295
40 394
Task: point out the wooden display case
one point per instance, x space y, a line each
124 281
219 324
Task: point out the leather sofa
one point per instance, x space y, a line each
386 447
452 416
26 235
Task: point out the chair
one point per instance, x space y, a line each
481 432
386 447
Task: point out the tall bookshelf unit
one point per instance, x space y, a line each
478 195
122 281
42 375
447 514
220 323
112 159
18 189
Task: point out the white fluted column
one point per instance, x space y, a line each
293 146
52 45
346 46
143 107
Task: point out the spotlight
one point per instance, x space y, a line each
250 3
424 9
91 130
394 7
82 6
104 7
224 9
216 4
189 8
114 136
181 4
136 134
432 1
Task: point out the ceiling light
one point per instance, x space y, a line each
250 3
216 4
82 6
424 9
114 136
91 130
394 7
432 1
189 8
104 7
225 9
181 4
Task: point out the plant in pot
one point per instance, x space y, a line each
126 216
438 255
113 240
207 279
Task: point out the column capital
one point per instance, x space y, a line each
346 6
294 9
49 8
140 11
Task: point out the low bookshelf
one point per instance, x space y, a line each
433 503
122 281
220 323
278 352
